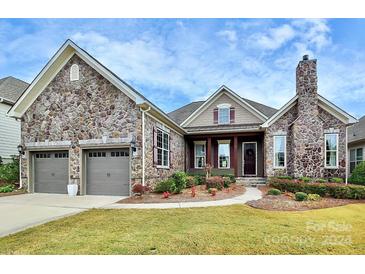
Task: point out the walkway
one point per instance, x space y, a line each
251 193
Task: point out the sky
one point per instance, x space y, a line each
176 61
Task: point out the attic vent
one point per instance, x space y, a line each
74 73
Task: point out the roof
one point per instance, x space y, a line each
182 113
11 88
357 131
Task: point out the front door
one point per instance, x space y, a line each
249 156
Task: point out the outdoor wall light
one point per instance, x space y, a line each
21 150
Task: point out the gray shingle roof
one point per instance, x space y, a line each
357 131
11 88
184 112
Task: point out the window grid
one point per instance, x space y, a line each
356 157
279 151
200 154
223 115
224 155
331 150
163 147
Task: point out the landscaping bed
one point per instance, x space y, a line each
14 192
286 202
202 194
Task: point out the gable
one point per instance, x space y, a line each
242 114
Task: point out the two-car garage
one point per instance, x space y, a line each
106 172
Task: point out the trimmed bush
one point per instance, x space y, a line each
305 179
139 189
190 181
226 182
231 177
165 186
313 197
358 175
301 196
284 177
199 179
336 180
180 181
274 191
9 172
334 190
215 182
7 188
319 180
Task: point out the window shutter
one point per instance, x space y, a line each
215 116
170 154
154 147
231 115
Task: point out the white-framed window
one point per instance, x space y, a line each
280 151
356 157
163 148
74 73
331 150
223 115
199 154
223 154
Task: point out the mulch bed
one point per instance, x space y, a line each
286 202
201 195
15 192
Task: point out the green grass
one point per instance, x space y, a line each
235 229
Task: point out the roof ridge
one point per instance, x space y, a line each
258 103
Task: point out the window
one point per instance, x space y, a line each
223 154
279 151
74 73
331 146
223 115
356 157
163 146
97 154
61 155
199 154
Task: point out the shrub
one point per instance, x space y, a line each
301 196
336 180
358 175
319 180
226 182
6 188
334 190
180 181
190 181
212 191
193 191
313 197
215 182
165 186
199 179
139 189
305 179
274 191
166 195
231 177
10 172
284 177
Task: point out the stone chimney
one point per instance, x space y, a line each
306 85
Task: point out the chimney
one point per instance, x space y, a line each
306 86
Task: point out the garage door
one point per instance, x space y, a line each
107 172
51 172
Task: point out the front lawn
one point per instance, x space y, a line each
237 229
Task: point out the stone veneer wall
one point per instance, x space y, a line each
177 148
79 110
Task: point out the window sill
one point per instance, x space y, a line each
279 167
199 167
331 167
163 167
224 168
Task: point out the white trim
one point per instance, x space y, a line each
280 112
224 105
285 152
74 73
224 90
225 142
228 116
163 149
163 124
325 151
334 110
205 153
225 131
243 158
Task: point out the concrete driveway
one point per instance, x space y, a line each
19 212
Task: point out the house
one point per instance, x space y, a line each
10 90
83 124
356 144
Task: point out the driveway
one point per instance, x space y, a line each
19 212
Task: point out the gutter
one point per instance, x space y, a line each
143 142
347 158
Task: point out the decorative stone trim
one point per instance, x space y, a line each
331 130
47 144
280 133
124 140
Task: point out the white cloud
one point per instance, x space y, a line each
274 38
230 35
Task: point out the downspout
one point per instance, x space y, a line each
143 143
347 160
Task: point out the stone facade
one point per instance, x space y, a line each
305 126
89 108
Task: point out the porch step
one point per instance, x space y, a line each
251 181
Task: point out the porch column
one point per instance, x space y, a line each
209 151
235 155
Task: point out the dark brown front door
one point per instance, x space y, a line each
249 159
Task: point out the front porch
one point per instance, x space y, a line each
239 154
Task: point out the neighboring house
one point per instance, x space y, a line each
10 90
83 124
356 143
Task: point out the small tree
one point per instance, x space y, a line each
208 171
358 174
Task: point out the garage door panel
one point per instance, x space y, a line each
108 172
51 172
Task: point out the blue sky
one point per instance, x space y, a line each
176 61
